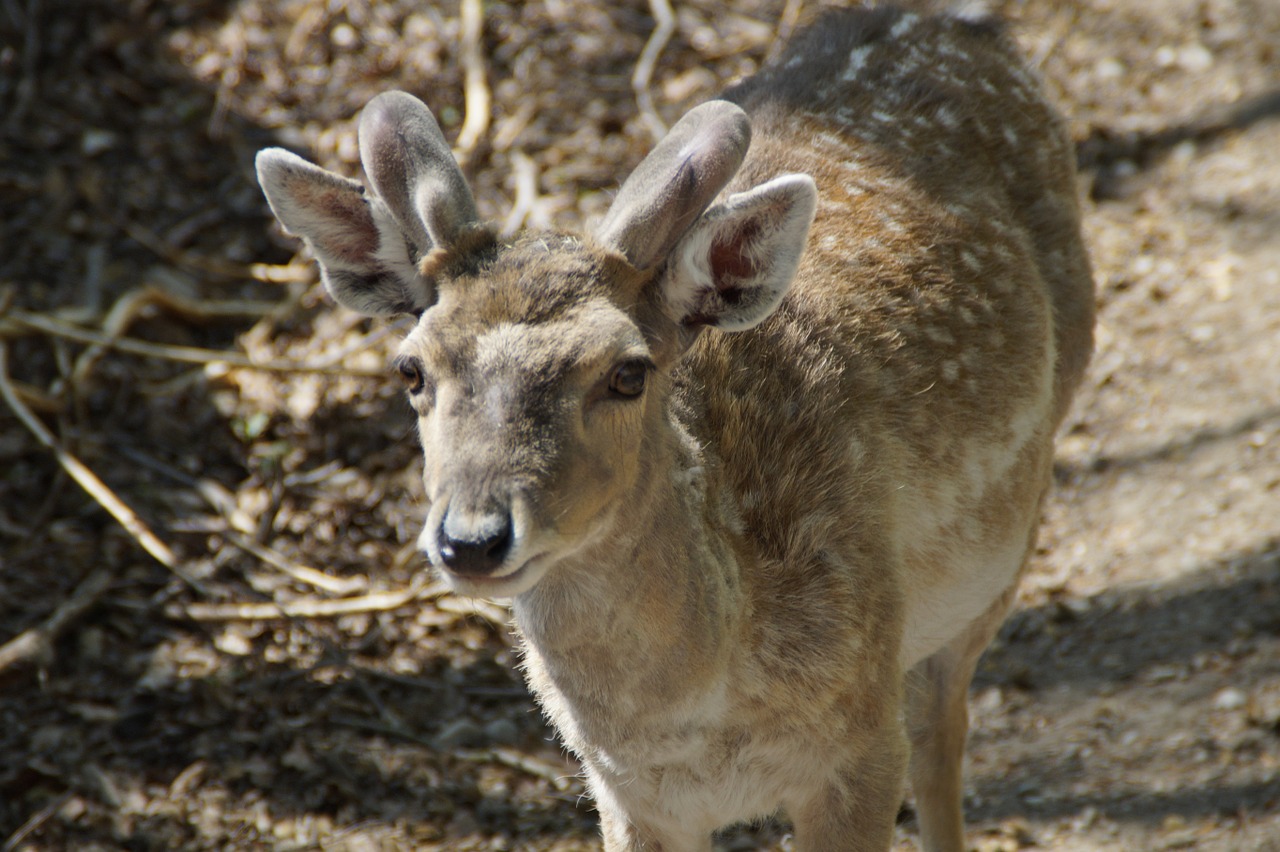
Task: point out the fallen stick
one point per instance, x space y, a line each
526 177
665 19
476 96
301 573
301 608
89 481
34 642
269 273
185 354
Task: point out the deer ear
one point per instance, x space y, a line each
411 169
674 184
365 261
733 266
371 245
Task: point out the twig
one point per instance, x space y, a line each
184 354
786 24
87 480
131 305
223 502
526 763
475 89
496 614
526 177
36 398
301 573
37 819
35 641
260 271
303 608
511 758
27 86
383 728
510 127
665 19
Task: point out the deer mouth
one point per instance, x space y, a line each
508 585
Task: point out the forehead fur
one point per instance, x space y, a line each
562 285
537 277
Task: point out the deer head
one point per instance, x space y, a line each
539 365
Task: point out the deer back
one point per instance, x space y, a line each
909 385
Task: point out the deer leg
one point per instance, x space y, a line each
622 835
624 830
855 810
938 724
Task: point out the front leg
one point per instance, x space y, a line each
855 808
625 829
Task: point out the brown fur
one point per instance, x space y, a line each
733 588
922 318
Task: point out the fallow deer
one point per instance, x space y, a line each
759 460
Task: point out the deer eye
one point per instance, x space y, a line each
628 378
410 370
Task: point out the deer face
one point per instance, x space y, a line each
536 386
538 367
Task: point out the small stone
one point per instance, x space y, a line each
233 643
344 36
1109 68
94 141
1195 58
461 733
1230 698
989 701
501 732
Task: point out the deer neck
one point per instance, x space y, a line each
648 617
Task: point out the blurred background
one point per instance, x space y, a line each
214 631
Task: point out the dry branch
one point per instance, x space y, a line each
665 19
34 642
786 25
475 89
37 819
87 480
304 607
217 266
185 354
133 304
301 573
526 178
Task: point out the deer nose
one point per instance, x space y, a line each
475 543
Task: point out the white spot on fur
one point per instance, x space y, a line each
904 25
939 334
857 60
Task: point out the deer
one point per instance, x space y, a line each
760 457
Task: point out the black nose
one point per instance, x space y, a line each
481 549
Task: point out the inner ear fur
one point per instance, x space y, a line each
733 267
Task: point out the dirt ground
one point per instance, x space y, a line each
294 681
